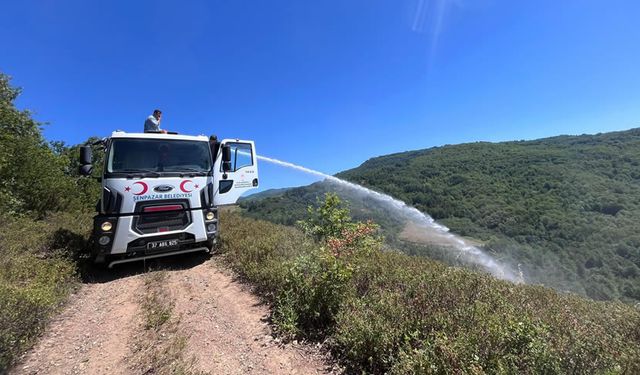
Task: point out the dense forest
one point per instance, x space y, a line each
566 209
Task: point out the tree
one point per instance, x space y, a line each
329 219
32 178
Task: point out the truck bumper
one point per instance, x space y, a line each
160 255
126 245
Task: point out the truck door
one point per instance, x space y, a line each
241 174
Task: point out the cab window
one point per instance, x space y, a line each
241 155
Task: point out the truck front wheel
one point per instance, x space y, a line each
212 245
99 259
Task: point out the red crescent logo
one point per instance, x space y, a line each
183 188
144 188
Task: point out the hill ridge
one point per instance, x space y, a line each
563 207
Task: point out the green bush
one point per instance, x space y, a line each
317 282
258 250
328 220
38 268
314 287
386 312
44 225
409 313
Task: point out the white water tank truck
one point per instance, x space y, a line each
161 192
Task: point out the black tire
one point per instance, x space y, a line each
212 245
100 260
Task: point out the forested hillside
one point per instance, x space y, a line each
565 208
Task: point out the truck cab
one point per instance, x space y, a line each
161 193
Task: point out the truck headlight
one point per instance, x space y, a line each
209 216
211 227
106 226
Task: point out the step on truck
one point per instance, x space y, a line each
161 192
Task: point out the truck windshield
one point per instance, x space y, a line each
157 155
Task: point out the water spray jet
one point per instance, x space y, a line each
471 254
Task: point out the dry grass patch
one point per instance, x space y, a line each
160 346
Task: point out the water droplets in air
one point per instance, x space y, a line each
424 222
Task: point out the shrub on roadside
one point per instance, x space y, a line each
317 282
302 280
44 227
313 290
309 286
37 272
258 250
388 312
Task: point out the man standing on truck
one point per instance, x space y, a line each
152 124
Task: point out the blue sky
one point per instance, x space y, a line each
327 84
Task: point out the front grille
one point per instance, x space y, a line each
162 221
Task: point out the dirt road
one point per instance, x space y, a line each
217 327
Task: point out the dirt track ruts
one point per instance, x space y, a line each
225 325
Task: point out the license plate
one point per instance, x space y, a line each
155 245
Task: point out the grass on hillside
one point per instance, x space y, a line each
389 312
38 269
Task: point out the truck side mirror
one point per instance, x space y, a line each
226 158
226 153
85 170
85 155
85 161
